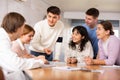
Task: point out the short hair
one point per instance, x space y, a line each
107 25
93 12
12 21
27 28
54 10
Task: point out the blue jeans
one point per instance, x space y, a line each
48 57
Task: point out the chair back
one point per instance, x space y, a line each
1 74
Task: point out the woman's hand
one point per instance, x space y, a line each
43 59
73 60
88 61
68 60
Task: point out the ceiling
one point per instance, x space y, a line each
83 5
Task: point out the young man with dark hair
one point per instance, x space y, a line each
91 20
46 35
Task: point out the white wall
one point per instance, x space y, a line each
103 15
32 10
3 9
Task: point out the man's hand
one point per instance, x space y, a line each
40 57
47 51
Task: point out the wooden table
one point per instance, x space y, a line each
54 74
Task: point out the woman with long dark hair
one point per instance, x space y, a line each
79 46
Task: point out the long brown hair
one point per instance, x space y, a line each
27 29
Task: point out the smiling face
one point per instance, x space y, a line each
52 19
90 21
27 37
101 32
76 37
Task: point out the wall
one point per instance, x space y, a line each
32 10
103 15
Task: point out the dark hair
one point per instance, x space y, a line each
81 30
54 10
93 12
107 26
12 21
27 28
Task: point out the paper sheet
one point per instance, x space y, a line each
113 66
68 68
